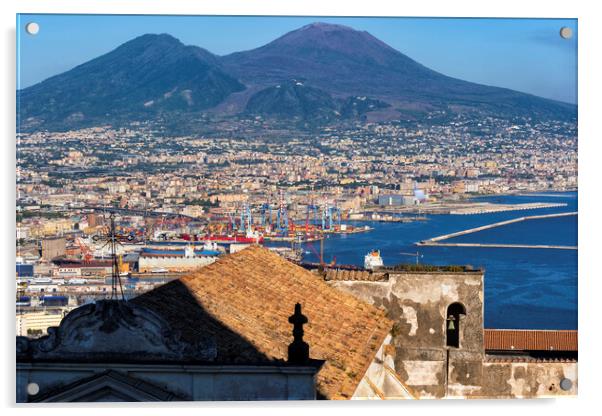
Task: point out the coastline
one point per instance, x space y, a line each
517 279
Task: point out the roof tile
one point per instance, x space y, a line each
244 300
530 340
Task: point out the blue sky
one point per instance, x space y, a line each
522 54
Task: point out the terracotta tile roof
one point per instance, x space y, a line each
244 301
530 340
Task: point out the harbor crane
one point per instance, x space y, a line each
282 217
246 219
327 217
85 250
266 215
312 211
417 255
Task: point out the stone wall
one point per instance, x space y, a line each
381 380
427 367
185 382
418 303
528 379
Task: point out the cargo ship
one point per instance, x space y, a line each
243 239
251 237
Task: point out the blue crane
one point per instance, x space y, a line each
246 218
266 214
311 209
282 220
327 217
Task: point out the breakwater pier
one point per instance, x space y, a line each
439 240
488 208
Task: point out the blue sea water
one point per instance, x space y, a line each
524 288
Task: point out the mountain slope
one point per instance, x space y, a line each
345 61
354 107
149 74
293 99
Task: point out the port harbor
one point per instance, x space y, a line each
439 240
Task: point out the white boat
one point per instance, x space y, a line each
210 245
77 281
373 260
255 235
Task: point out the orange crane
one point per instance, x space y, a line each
85 250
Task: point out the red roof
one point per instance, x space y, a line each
76 264
530 340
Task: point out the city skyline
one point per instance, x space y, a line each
526 55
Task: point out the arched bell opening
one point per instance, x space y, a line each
452 324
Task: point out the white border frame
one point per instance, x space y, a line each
589 94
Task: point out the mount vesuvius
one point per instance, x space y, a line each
156 75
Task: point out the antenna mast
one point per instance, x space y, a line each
112 240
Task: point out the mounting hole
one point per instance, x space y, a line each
566 384
566 32
33 389
32 28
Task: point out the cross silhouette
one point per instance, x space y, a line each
298 350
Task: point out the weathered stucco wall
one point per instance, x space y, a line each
528 380
418 303
380 380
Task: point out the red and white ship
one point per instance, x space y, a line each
251 237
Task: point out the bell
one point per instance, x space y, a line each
451 325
